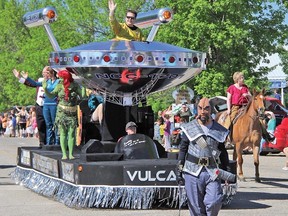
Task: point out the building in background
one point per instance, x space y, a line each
276 77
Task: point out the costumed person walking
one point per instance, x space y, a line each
68 93
201 146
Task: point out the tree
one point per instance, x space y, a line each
28 49
283 54
12 36
236 35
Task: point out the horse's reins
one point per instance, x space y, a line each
258 116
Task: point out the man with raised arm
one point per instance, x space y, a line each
127 30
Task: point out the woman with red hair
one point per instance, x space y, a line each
68 93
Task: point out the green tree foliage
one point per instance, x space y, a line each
28 49
283 53
236 35
161 100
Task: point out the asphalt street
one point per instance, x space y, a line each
266 198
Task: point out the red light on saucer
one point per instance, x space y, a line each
106 58
51 14
139 58
172 59
76 58
167 15
56 59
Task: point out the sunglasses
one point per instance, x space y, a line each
129 17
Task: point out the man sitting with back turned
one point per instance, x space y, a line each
136 146
130 128
127 30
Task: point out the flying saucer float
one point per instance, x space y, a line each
125 72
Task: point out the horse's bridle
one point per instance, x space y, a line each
261 113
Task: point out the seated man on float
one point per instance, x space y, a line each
136 146
127 30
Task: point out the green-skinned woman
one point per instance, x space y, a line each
68 92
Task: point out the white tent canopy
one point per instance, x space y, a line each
277 77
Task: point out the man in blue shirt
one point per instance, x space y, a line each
277 95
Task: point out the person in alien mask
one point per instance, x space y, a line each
201 149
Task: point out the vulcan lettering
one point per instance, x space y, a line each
132 176
148 175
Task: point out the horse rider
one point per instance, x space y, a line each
238 96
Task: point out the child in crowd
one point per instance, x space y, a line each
161 130
9 127
167 133
34 124
29 129
157 130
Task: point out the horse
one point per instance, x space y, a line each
247 131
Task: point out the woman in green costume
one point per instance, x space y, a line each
68 93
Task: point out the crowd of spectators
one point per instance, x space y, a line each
19 122
168 122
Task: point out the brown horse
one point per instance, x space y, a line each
247 131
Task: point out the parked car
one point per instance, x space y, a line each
274 105
281 139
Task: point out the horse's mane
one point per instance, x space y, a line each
249 103
245 110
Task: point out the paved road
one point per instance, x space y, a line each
267 198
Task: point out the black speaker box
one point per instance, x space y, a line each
93 146
96 146
108 146
161 150
173 155
101 157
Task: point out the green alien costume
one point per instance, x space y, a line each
66 116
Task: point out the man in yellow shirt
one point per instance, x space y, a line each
127 30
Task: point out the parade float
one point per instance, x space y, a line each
124 72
